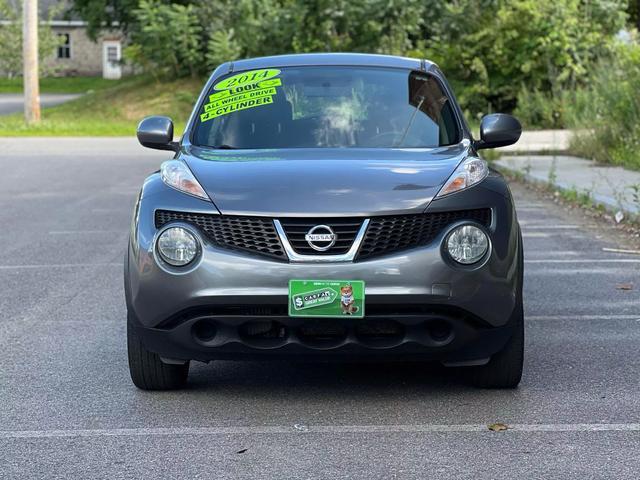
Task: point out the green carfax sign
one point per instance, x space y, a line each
326 298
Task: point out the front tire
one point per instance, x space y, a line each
147 371
504 370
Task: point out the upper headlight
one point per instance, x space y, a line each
177 175
473 170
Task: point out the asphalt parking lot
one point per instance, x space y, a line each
68 408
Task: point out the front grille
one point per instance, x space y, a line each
345 229
400 232
253 234
384 235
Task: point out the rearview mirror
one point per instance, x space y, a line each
157 132
498 130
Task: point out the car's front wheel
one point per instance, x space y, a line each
504 370
148 371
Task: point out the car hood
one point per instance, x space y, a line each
323 182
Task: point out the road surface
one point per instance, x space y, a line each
69 410
14 102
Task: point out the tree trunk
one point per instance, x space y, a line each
30 62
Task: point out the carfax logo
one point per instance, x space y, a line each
315 298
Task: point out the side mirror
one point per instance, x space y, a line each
157 132
498 130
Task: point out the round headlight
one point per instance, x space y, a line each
467 244
177 246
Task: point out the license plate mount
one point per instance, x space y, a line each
326 298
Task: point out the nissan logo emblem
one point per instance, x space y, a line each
321 238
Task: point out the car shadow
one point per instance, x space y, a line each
339 378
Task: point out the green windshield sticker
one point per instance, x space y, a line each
263 92
234 107
246 78
242 91
276 82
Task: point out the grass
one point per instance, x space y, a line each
112 111
572 195
60 84
607 111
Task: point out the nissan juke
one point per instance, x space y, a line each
325 207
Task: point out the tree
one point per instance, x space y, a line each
634 13
11 34
167 39
260 27
379 26
222 47
491 48
103 13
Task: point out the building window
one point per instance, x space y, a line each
64 47
112 54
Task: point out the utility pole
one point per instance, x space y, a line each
30 62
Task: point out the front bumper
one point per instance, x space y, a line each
233 305
427 333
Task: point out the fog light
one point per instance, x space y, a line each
177 246
467 244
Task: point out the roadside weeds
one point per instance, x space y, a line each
628 229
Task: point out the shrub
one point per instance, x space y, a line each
493 47
607 113
539 109
166 40
499 55
222 47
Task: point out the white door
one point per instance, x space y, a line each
111 54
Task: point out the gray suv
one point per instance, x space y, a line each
325 206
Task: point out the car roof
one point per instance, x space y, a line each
347 59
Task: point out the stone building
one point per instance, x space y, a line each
78 55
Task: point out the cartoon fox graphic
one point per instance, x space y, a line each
347 301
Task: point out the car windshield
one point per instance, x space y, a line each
326 107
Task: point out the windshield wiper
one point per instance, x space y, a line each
406 130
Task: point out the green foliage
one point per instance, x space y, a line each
606 114
222 47
541 109
98 13
11 34
491 48
634 13
573 195
167 39
500 55
381 26
232 29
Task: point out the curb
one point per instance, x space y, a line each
597 200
